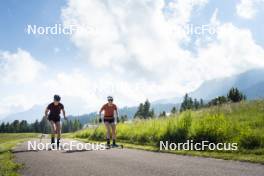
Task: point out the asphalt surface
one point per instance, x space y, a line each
126 162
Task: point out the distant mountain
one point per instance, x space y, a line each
175 100
251 83
129 111
36 112
85 118
255 91
158 108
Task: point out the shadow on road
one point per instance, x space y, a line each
74 151
23 151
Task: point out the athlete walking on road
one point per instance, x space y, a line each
52 113
110 110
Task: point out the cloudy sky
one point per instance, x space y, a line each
131 49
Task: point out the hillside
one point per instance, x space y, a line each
36 112
242 123
250 82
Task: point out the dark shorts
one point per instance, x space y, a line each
112 120
54 118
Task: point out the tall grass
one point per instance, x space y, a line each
7 141
240 122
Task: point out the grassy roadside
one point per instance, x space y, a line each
237 156
241 123
7 141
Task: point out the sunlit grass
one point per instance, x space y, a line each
7 141
242 123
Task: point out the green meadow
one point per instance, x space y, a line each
7 142
241 123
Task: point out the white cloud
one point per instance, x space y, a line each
134 39
77 90
15 102
136 32
92 92
18 73
134 52
234 51
134 43
19 67
248 8
181 11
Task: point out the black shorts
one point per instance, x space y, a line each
112 120
54 118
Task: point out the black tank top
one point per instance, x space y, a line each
55 110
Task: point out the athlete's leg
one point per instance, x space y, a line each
108 132
113 126
53 131
58 129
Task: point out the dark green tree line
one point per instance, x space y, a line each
144 111
234 95
189 103
42 126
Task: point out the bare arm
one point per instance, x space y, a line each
116 111
64 114
46 112
100 112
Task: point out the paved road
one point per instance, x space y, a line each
127 162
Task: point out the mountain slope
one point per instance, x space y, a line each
34 113
37 112
251 83
255 92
